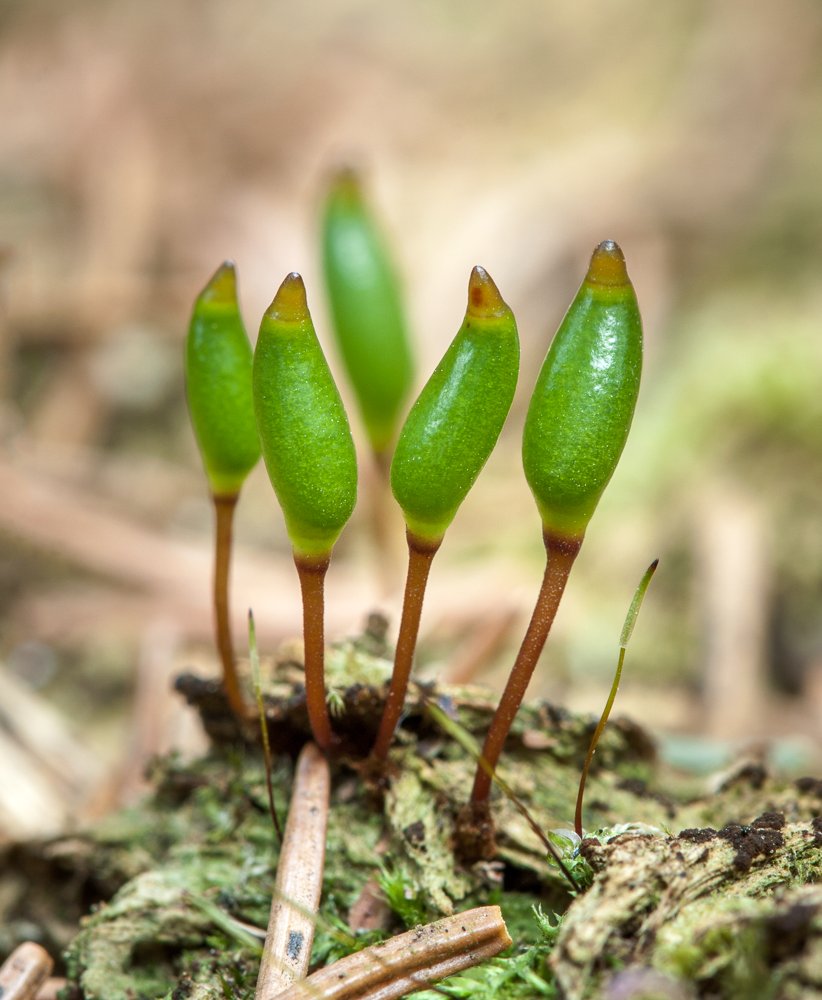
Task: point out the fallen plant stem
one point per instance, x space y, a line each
561 553
624 639
254 656
224 507
24 972
299 880
420 555
410 961
311 571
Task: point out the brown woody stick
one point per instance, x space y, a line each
24 972
299 881
410 961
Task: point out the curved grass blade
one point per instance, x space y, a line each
624 639
254 656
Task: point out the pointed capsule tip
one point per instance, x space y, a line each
346 183
607 265
222 285
346 173
484 299
289 303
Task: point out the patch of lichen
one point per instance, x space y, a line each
707 909
769 946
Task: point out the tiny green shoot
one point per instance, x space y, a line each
256 680
624 639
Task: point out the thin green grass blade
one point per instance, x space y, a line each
256 680
624 639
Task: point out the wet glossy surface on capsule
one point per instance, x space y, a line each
581 410
454 424
218 384
306 439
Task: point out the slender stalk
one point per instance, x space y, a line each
24 972
420 554
224 506
561 553
297 890
411 961
312 570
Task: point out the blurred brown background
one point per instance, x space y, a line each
142 143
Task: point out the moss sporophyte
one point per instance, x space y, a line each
286 404
577 424
366 309
282 402
309 454
218 384
445 441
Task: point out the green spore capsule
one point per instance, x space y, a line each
303 428
366 308
218 385
581 410
457 418
575 430
445 441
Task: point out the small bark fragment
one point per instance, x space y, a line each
370 910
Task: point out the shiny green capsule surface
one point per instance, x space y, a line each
218 384
581 410
457 418
366 308
303 427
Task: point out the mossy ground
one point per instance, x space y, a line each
180 877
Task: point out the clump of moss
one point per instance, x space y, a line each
202 854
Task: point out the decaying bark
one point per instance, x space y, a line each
723 913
